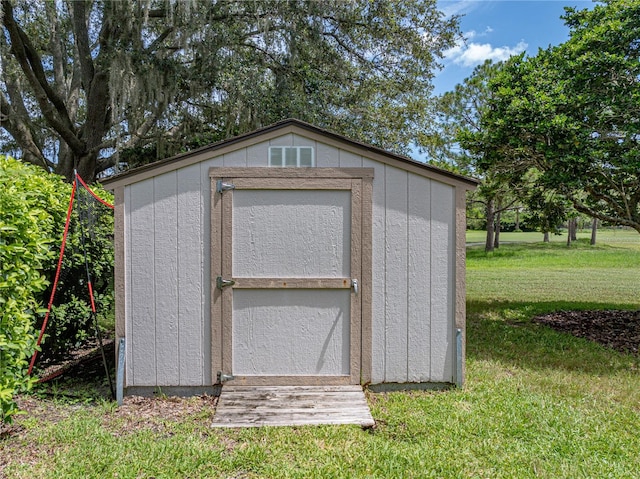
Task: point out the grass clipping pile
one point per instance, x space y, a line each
619 330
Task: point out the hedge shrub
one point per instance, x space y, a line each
33 206
25 246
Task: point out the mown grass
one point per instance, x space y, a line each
604 236
547 275
537 403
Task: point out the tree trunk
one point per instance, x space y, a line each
85 165
490 214
517 219
574 229
65 164
546 237
594 229
496 234
569 231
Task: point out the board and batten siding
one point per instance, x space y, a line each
168 278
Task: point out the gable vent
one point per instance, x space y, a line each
293 156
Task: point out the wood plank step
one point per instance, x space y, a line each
285 389
284 397
254 406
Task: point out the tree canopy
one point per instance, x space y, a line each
94 85
456 111
572 113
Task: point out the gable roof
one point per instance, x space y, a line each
278 129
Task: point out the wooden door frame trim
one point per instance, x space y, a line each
361 185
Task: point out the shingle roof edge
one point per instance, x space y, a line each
180 158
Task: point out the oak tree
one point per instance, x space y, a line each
458 113
102 84
572 114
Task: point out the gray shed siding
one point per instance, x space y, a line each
167 274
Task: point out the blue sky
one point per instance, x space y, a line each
497 29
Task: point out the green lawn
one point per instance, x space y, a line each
549 276
537 403
604 236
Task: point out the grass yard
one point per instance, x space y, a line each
537 403
609 236
550 276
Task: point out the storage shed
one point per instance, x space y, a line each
289 255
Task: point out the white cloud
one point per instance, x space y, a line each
454 52
473 54
461 7
473 34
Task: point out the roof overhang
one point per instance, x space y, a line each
279 129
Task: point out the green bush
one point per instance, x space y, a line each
25 246
33 207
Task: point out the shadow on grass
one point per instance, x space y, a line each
504 332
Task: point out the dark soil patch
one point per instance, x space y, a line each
80 382
619 330
82 360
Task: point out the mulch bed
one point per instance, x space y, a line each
619 330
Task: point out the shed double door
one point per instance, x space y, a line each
287 274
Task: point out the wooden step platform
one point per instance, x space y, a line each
255 406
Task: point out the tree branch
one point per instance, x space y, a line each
582 208
146 126
105 163
51 105
21 132
14 90
347 48
505 208
599 195
81 36
56 43
156 43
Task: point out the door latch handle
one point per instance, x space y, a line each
222 377
223 283
221 186
354 285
